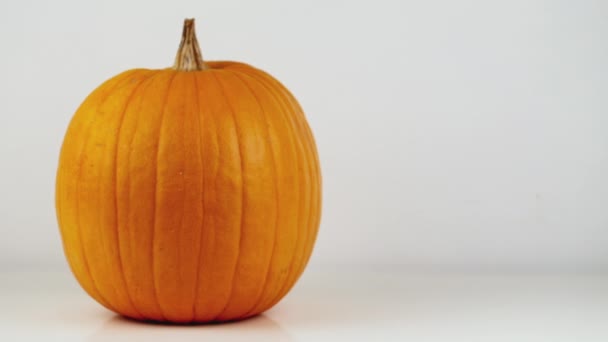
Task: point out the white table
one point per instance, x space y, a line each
336 306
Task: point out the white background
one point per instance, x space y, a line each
453 135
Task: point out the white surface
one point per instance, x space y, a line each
337 306
464 134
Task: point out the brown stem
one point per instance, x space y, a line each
189 57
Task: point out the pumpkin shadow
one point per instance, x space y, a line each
258 328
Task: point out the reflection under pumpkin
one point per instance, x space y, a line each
258 328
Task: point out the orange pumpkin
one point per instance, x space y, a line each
189 194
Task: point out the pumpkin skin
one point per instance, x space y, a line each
189 196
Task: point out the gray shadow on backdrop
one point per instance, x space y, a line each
258 328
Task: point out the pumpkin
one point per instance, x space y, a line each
191 193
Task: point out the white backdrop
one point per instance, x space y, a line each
458 135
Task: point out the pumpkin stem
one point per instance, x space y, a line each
189 57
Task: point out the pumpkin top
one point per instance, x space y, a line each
189 57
